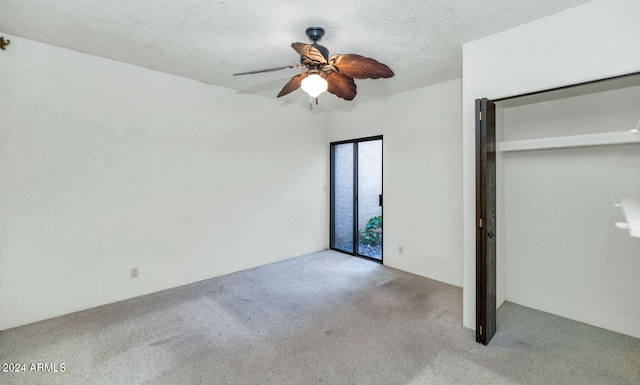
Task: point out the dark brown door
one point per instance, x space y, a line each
485 220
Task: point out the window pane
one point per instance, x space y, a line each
343 197
369 191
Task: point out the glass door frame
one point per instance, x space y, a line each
355 198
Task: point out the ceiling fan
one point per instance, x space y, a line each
321 73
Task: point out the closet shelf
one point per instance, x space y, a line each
631 208
607 138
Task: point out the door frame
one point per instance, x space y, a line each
355 202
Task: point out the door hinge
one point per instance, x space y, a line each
480 223
480 329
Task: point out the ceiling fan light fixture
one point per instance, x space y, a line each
314 85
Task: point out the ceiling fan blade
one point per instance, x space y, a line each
266 70
293 84
309 51
340 85
360 67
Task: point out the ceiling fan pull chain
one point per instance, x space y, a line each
311 102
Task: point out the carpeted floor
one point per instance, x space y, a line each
323 318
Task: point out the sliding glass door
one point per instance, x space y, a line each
356 197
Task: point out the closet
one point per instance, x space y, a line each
567 203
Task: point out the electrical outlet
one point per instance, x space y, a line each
134 272
401 250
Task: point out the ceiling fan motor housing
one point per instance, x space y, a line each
323 50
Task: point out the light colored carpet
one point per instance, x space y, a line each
323 318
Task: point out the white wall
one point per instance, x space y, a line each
592 41
421 176
563 254
106 166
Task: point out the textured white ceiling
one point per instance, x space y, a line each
209 40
